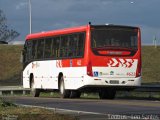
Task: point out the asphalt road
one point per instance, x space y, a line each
117 106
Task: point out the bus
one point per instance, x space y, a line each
89 58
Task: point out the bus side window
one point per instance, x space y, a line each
40 49
72 45
70 53
64 46
28 51
80 45
76 45
56 49
34 49
48 48
67 46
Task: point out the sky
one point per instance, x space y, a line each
56 14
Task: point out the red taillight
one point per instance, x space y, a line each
114 52
89 69
138 72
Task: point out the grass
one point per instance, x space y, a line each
10 66
10 110
138 95
150 64
126 94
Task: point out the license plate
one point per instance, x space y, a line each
114 81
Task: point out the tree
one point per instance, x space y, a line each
6 34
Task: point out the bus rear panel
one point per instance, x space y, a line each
115 57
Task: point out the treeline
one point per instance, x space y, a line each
6 34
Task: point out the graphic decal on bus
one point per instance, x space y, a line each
35 65
95 73
58 63
116 62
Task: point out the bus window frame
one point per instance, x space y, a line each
132 52
52 38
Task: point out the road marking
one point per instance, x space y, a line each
59 110
88 101
76 113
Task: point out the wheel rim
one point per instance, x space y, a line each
32 86
62 87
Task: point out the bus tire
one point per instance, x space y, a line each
107 93
34 92
63 92
75 94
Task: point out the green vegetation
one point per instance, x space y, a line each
150 64
10 66
11 111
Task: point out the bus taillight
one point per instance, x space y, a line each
138 72
89 69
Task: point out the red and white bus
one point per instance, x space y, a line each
96 58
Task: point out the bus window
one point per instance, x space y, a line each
76 45
28 51
34 49
40 48
48 48
64 46
72 45
55 47
80 44
114 37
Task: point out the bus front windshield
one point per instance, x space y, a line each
110 37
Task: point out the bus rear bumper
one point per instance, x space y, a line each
123 82
96 83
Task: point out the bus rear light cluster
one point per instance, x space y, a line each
138 72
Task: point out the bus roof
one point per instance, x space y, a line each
112 25
69 30
56 32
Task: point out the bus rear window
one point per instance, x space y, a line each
110 37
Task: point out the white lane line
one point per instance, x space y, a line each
60 110
81 113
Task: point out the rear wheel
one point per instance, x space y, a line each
107 93
63 92
34 92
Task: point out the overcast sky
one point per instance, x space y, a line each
56 14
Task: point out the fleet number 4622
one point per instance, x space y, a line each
131 73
